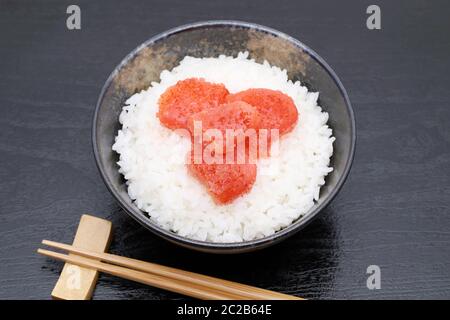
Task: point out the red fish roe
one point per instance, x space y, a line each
277 109
226 171
235 115
225 182
186 98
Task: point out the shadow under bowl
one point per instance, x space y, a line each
211 39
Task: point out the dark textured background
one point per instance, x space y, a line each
393 211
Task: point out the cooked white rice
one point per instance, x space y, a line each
286 186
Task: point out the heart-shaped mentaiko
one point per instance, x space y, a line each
195 100
220 168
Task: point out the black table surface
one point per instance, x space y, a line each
394 210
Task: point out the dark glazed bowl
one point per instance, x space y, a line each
211 39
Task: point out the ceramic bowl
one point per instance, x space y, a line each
211 39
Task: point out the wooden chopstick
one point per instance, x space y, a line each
188 289
237 290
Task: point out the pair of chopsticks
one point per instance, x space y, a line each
167 278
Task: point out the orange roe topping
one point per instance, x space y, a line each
235 115
195 100
186 98
225 182
277 109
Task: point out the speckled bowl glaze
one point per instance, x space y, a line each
211 39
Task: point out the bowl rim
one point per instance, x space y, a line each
228 247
